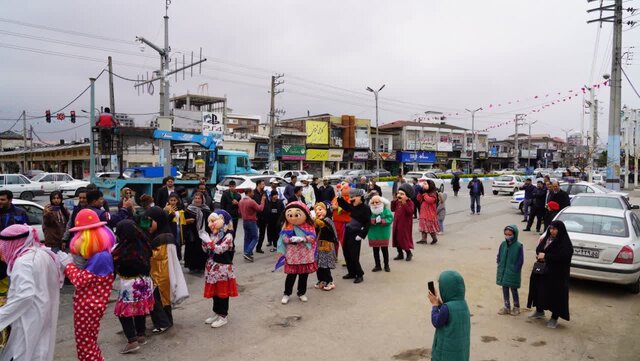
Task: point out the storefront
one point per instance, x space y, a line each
315 161
359 159
261 158
290 156
416 160
335 160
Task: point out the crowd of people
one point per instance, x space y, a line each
306 224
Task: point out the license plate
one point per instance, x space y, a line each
586 252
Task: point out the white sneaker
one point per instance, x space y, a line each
285 299
211 319
304 298
221 321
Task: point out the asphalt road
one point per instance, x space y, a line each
387 317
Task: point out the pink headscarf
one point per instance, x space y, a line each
16 239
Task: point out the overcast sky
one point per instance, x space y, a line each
432 55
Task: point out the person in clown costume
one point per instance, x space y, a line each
297 243
91 272
340 216
220 280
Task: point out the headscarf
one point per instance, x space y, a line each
197 210
432 186
16 239
62 215
326 221
563 235
130 238
157 214
303 230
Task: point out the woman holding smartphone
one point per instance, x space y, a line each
54 222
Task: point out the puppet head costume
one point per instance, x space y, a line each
93 242
220 221
378 204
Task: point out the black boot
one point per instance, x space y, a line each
409 255
386 268
377 268
400 256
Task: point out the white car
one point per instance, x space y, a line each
34 213
110 175
599 179
52 181
605 244
509 183
20 186
71 189
244 182
424 175
573 189
505 171
287 174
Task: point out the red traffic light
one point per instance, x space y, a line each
47 115
60 116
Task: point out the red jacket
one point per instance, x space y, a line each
249 209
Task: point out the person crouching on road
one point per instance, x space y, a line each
451 318
356 231
402 227
327 240
380 231
219 278
510 259
297 243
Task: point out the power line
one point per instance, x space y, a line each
70 32
66 130
629 80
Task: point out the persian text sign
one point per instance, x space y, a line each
318 154
317 132
335 155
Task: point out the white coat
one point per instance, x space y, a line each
309 196
32 308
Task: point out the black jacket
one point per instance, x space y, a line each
288 191
455 182
539 195
162 197
360 217
327 194
562 198
226 203
257 196
274 211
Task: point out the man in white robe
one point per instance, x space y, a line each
33 299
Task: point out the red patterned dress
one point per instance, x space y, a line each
89 304
428 212
299 257
219 278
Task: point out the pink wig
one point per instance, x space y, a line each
88 242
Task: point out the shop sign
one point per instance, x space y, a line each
262 150
212 123
384 155
441 154
411 157
292 152
318 154
362 138
335 155
482 155
317 132
360 155
457 146
445 147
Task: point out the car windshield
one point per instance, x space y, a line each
504 179
601 188
595 224
225 182
414 175
38 177
606 202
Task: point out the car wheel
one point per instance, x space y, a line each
521 207
26 196
442 188
635 287
495 193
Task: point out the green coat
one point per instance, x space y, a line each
452 342
510 258
379 233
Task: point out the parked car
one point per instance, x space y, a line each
244 182
599 179
605 200
52 181
508 183
20 186
381 172
338 176
266 172
505 171
71 189
34 213
605 244
359 173
424 175
33 172
286 174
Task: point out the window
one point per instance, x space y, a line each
505 179
23 180
1 180
595 224
578 188
225 182
34 214
47 178
635 222
565 187
242 162
222 159
606 202
13 179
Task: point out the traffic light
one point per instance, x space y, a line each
47 116
73 116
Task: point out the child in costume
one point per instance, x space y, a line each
510 259
92 274
451 318
340 216
402 227
131 260
380 231
219 278
297 243
327 241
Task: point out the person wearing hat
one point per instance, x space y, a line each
402 227
326 191
33 300
92 274
356 231
273 183
308 193
552 210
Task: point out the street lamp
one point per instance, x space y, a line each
473 136
427 113
375 95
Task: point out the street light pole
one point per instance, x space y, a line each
529 146
473 136
375 94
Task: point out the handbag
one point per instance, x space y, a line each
539 268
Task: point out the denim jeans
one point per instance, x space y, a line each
525 207
475 200
250 236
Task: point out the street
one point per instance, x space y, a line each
387 317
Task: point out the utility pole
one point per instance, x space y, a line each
112 101
529 146
627 142
92 117
24 139
31 147
613 141
473 136
593 141
636 145
377 152
275 82
566 140
516 157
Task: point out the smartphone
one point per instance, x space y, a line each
431 287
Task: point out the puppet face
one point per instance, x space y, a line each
402 196
321 212
344 190
215 222
295 216
376 205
